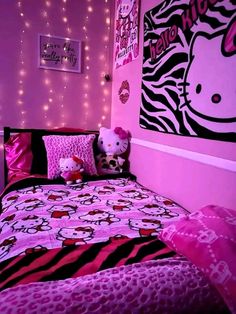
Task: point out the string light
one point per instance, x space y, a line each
22 74
105 58
45 107
46 80
86 86
65 77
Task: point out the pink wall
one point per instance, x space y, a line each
36 98
191 183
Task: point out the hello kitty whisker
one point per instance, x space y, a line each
184 104
183 83
183 94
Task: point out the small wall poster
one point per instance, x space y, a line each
58 53
126 34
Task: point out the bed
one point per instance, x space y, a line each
108 244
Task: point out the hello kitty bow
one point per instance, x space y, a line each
121 133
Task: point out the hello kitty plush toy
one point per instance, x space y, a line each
71 169
111 143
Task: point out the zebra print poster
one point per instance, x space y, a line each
189 69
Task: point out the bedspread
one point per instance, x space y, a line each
43 217
76 261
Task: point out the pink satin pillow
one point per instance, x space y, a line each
64 146
208 239
18 155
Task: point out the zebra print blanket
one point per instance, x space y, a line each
75 261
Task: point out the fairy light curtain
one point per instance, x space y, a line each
57 99
188 69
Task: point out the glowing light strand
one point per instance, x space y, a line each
65 77
22 71
46 107
87 59
105 60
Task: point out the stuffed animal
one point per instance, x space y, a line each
71 169
111 143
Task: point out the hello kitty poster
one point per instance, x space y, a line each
189 62
126 32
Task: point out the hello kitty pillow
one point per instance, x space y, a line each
208 239
61 146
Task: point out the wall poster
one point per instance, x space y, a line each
59 53
126 33
189 62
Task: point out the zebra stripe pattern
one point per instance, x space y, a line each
75 261
165 96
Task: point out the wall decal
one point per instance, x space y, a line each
58 53
188 81
126 36
124 92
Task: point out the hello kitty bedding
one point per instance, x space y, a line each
53 216
78 236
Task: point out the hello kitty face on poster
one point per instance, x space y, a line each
86 199
31 225
145 227
104 190
155 210
120 205
61 211
30 204
126 8
134 194
220 272
99 217
32 190
75 235
207 236
8 201
57 195
209 93
113 142
118 182
6 246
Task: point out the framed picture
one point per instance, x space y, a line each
58 53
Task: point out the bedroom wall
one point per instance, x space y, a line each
37 98
192 171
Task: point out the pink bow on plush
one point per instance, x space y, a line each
121 133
